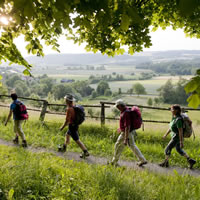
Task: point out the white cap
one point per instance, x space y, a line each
119 102
69 97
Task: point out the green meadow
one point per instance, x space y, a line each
25 175
100 140
28 176
151 86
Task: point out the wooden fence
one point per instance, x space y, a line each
102 106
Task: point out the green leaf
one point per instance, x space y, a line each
131 50
133 13
125 22
18 4
26 72
192 85
187 7
29 9
194 101
10 194
198 72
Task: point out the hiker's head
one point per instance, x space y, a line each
120 104
69 99
176 109
13 96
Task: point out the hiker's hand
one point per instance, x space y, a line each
181 144
164 137
125 141
118 130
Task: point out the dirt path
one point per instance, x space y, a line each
152 167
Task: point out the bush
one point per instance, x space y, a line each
108 93
150 102
94 94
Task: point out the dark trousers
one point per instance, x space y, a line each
174 142
73 131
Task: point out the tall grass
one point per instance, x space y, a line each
25 175
100 140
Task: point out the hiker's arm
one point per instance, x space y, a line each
167 133
126 132
67 120
9 116
63 126
180 132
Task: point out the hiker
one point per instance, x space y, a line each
18 120
126 136
176 129
72 127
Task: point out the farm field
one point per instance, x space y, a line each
62 72
151 86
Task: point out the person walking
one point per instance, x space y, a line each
72 127
126 136
14 110
176 130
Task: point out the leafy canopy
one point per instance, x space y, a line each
104 25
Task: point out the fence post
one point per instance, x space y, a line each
44 109
102 114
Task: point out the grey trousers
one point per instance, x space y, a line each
119 146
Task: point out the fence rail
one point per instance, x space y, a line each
103 106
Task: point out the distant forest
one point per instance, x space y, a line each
177 67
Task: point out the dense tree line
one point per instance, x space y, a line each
172 67
174 93
42 86
116 77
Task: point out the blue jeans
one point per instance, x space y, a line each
174 142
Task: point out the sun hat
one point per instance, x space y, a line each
119 102
69 97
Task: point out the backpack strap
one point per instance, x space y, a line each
193 134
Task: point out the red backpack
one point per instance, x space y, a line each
21 111
136 118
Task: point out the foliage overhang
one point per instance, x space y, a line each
104 25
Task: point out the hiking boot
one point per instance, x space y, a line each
165 163
84 154
191 162
141 163
24 143
16 140
62 148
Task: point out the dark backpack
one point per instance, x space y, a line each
79 114
136 117
20 111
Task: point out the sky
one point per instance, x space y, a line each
162 40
